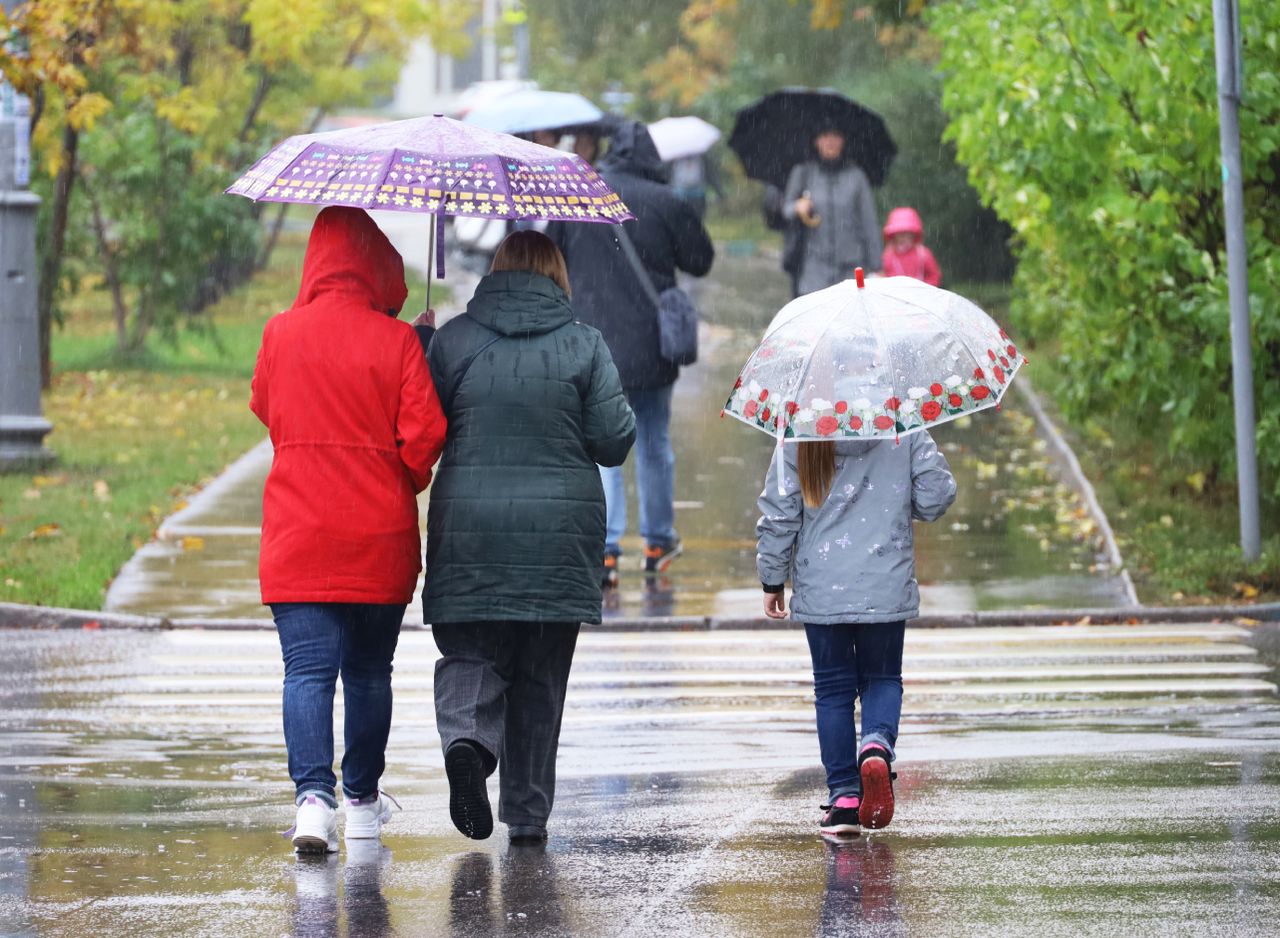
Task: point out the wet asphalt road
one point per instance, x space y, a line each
1054 781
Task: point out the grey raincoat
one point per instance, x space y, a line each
848 235
853 559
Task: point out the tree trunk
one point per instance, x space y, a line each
112 273
51 263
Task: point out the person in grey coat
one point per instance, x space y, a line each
516 528
834 223
841 533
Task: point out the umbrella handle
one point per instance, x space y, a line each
431 250
781 464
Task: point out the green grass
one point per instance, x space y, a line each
134 438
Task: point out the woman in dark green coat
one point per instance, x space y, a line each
516 528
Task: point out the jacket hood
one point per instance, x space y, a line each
633 152
349 254
519 302
903 220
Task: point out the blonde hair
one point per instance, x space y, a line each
816 461
535 252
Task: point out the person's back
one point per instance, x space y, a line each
352 449
513 521
668 236
854 557
840 529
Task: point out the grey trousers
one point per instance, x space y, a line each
502 685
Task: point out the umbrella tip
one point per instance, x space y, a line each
857 276
437 114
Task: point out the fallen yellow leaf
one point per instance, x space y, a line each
43 481
45 530
192 543
1246 590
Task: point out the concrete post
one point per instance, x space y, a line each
22 427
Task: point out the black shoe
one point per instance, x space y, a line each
658 558
841 818
524 835
464 765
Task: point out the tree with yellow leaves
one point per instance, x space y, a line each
144 110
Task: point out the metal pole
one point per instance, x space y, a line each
1226 34
22 427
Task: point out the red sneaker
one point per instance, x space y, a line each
876 810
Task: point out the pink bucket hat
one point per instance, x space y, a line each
903 220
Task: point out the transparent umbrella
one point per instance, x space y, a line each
873 359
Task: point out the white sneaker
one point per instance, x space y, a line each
366 816
315 829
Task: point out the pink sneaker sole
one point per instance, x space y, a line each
876 810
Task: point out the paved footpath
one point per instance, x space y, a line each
1118 780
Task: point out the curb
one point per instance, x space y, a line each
18 616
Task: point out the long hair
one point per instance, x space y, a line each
816 461
532 251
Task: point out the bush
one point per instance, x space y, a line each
1092 128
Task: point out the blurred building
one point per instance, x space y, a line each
497 61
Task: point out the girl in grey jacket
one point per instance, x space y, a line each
841 532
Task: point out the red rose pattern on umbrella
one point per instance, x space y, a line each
839 418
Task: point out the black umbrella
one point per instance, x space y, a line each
777 132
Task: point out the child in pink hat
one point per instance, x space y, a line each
904 252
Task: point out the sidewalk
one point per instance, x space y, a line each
1051 779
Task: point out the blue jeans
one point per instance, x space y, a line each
319 641
655 475
852 662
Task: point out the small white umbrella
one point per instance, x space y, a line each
873 360
679 137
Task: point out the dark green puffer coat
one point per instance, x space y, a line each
516 525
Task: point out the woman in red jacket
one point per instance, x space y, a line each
343 388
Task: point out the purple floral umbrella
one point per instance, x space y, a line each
435 165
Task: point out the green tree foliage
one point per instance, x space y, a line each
145 110
1092 128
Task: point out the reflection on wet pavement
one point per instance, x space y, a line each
1050 779
1015 538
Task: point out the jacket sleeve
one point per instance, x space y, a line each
420 423
793 191
607 421
694 252
933 487
258 394
778 527
932 273
870 221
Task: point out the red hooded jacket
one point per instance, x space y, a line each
345 392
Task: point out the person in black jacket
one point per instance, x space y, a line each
668 236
